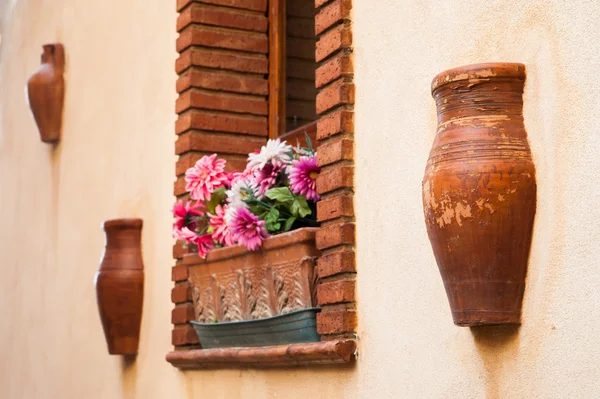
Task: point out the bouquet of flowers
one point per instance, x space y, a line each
274 194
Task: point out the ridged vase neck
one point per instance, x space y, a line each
479 93
123 238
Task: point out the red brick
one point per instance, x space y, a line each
179 187
320 3
332 14
338 66
335 123
201 35
256 5
221 16
182 292
334 235
336 292
179 250
337 322
220 101
223 81
217 143
335 178
335 207
222 59
333 263
186 161
179 273
184 335
182 314
221 122
337 93
332 41
335 151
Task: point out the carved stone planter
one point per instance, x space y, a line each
234 285
479 192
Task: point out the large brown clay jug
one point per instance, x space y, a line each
45 92
479 192
120 285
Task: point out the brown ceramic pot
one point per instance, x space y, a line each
120 285
45 92
479 192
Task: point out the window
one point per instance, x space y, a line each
292 92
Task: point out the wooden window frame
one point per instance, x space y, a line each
277 41
224 50
277 80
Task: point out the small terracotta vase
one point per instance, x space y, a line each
120 285
45 92
479 192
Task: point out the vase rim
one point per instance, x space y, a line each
125 223
477 71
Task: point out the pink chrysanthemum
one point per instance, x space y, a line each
221 232
247 229
205 177
185 214
303 177
204 243
266 177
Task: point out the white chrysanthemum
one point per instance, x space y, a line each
230 214
274 151
241 189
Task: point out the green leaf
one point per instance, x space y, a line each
280 194
272 221
308 142
289 223
215 199
258 210
300 207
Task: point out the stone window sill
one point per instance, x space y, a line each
308 354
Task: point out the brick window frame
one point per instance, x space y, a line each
223 106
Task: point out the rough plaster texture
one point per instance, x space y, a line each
116 159
409 347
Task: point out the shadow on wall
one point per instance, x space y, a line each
129 376
497 345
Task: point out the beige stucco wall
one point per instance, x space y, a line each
116 159
409 347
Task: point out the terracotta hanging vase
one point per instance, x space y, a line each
120 285
479 192
45 92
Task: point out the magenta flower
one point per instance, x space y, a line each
266 177
205 177
185 215
247 229
184 234
303 177
221 232
204 243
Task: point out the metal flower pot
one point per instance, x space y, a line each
294 327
